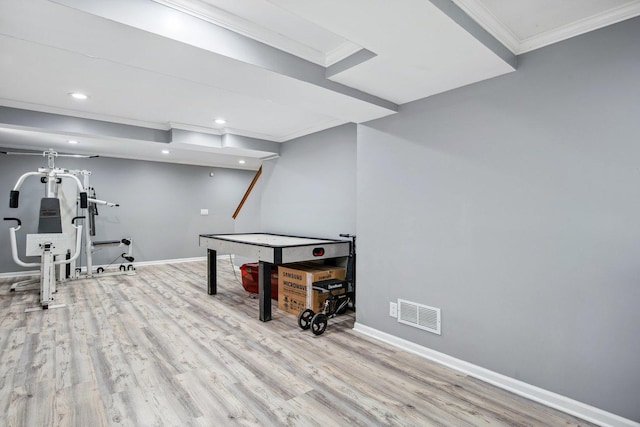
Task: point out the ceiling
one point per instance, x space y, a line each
158 72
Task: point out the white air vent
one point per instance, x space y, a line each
419 315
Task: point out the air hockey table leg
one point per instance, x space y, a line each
264 290
212 278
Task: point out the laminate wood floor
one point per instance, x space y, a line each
154 349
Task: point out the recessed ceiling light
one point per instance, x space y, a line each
220 121
72 141
78 95
165 151
241 162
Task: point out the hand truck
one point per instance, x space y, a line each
339 299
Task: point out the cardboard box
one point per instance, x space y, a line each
294 286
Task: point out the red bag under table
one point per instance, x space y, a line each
250 278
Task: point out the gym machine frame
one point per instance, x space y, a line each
90 230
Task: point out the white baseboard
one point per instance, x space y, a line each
171 261
163 261
537 394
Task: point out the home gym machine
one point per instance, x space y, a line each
58 241
50 242
342 295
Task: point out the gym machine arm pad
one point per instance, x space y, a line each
13 198
83 200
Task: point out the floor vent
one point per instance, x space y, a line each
419 316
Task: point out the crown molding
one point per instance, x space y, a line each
247 28
483 16
581 26
487 20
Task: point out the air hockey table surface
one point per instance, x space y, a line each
275 248
268 249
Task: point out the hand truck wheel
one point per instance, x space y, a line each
319 324
304 319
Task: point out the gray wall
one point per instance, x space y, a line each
159 204
310 190
514 206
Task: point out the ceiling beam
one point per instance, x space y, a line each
460 17
164 21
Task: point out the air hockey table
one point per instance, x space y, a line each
268 249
